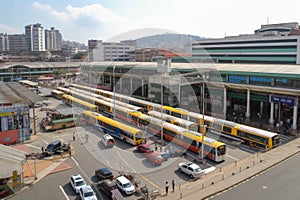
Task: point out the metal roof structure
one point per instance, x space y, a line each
13 92
11 160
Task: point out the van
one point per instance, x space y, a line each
108 140
125 185
54 147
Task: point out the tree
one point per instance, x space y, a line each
80 55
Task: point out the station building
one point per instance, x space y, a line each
15 103
14 71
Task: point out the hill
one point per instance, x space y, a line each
174 42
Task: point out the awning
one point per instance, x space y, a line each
11 160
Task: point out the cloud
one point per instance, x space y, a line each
90 15
8 29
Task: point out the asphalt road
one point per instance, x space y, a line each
279 182
122 158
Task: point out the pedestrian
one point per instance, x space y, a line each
86 138
167 187
42 149
173 185
155 146
74 136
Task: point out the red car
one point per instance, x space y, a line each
155 158
144 148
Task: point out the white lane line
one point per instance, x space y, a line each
75 161
232 157
84 174
64 192
33 146
62 135
45 141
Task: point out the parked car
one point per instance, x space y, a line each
165 155
191 169
87 193
144 148
107 186
104 173
77 182
155 158
125 185
54 147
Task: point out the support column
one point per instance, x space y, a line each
261 108
271 120
295 117
143 88
121 84
130 87
248 104
225 102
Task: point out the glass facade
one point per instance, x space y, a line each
237 79
254 80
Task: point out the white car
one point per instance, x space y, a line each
77 182
125 185
191 169
87 193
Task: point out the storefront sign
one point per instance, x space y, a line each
279 99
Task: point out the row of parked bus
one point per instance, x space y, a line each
189 139
248 135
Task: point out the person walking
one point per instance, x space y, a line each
74 136
167 187
173 185
86 138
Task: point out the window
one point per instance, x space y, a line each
260 81
237 79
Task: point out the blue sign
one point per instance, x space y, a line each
286 100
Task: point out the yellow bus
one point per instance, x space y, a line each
72 101
55 121
116 129
191 126
57 94
213 149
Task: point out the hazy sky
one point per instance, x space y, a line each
81 20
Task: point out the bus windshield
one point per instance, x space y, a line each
221 150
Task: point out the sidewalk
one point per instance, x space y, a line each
43 167
227 176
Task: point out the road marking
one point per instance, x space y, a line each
62 135
64 192
45 141
33 146
232 157
84 174
136 171
75 161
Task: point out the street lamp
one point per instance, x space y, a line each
204 77
114 91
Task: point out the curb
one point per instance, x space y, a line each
250 177
40 176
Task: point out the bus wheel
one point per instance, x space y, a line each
64 126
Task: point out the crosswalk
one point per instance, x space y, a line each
286 138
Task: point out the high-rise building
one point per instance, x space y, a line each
53 39
35 37
17 42
4 42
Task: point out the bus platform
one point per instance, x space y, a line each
225 177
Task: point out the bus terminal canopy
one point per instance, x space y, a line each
11 160
13 92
